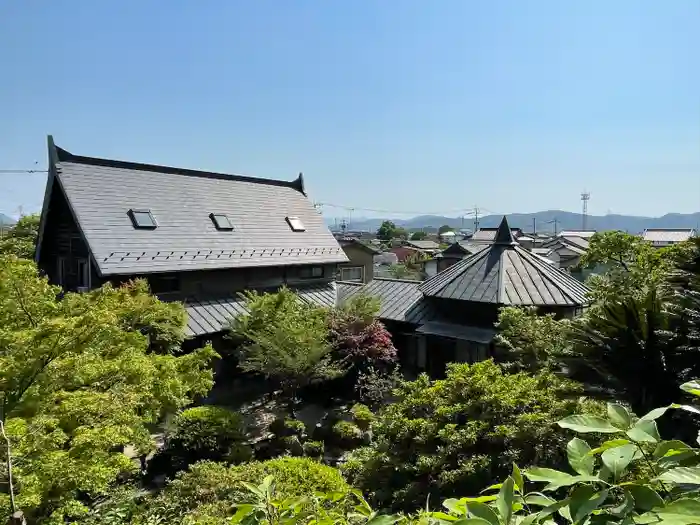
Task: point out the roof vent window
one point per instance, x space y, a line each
221 221
295 224
143 219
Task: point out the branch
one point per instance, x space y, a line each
13 507
20 300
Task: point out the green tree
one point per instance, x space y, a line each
20 240
80 380
452 436
286 339
444 228
418 236
388 231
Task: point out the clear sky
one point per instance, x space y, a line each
408 105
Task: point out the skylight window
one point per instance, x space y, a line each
295 224
143 219
221 221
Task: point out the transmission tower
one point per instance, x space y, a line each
585 196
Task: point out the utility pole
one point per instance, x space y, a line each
585 196
476 219
534 226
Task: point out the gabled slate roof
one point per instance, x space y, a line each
668 234
423 245
506 274
211 316
401 300
100 193
464 248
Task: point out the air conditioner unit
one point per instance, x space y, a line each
83 289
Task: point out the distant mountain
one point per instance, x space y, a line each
544 221
5 220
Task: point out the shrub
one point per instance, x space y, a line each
204 433
348 434
374 386
452 436
287 427
209 490
313 449
362 416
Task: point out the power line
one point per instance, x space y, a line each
464 211
23 171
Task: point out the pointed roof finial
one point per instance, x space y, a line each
504 235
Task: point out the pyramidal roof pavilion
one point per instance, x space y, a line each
506 274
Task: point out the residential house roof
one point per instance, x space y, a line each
668 234
357 242
461 248
489 234
506 274
346 289
213 315
101 193
580 242
423 245
401 300
584 234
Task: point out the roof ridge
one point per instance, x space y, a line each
65 156
396 280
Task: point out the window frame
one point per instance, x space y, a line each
132 215
362 274
213 216
311 270
173 278
84 273
295 224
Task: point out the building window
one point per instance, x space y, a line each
355 273
221 221
311 272
61 271
161 284
83 275
295 224
143 219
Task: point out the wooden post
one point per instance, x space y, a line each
17 518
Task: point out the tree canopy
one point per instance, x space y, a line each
20 240
418 236
444 228
388 231
81 378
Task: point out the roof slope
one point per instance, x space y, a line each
668 234
424 245
401 300
489 234
101 192
506 274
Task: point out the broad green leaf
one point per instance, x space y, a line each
583 424
609 444
625 507
645 498
644 431
655 414
455 506
556 478
479 499
584 500
539 499
495 486
666 447
483 512
505 500
680 458
684 511
385 519
471 521
687 408
619 416
577 451
692 387
518 478
682 475
617 459
442 517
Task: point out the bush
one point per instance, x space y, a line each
209 490
374 386
203 433
282 427
347 434
362 416
313 449
453 436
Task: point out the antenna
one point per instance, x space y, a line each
585 196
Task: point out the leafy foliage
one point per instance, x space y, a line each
453 435
444 228
20 240
606 485
532 341
286 339
357 336
388 231
374 386
206 433
418 236
210 490
79 380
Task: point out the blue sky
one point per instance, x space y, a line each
402 105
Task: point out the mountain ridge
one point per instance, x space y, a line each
544 221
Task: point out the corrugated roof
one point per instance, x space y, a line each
101 192
401 300
211 316
424 245
506 274
668 234
579 242
457 331
346 290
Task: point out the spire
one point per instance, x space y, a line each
504 235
